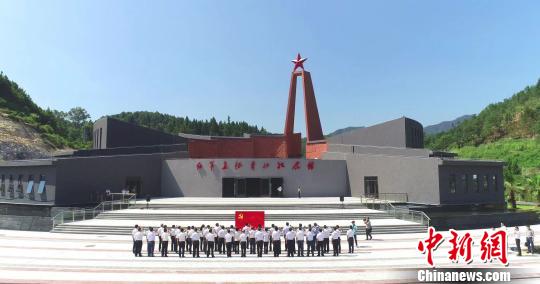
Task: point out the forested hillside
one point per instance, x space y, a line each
58 129
174 125
507 131
516 117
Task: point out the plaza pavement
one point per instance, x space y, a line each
37 257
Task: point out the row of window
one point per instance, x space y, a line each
473 183
12 186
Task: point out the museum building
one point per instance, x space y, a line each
381 160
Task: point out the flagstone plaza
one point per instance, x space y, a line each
34 257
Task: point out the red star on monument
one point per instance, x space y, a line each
298 62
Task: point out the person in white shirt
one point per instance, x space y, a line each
259 240
320 242
276 240
517 237
150 241
138 237
174 244
159 232
252 247
300 241
236 244
286 228
164 241
195 239
289 237
310 238
210 238
229 242
189 241
266 240
181 237
133 237
350 238
270 234
215 230
205 231
326 233
335 241
529 234
221 239
243 244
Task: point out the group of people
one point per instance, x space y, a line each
299 241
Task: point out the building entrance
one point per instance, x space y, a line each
371 187
251 187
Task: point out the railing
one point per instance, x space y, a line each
396 197
73 215
398 213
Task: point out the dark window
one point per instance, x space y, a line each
476 184
371 187
30 185
20 187
42 184
494 182
465 182
452 183
11 187
3 186
485 182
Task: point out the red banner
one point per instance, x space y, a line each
253 218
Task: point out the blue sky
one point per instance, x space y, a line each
371 61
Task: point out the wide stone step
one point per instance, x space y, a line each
126 230
228 217
248 207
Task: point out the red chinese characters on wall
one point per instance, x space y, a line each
280 165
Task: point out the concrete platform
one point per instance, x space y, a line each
37 257
198 211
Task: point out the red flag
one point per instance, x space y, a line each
253 218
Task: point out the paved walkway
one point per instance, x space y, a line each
69 258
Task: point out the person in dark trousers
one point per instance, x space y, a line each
229 242
243 244
339 238
181 237
367 222
299 192
300 241
195 239
517 237
159 232
259 240
276 242
350 238
210 239
138 237
174 244
221 239
289 237
150 241
326 233
529 235
266 239
164 241
320 243
133 232
354 228
310 238
335 241
189 243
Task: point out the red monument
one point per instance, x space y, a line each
287 145
315 145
